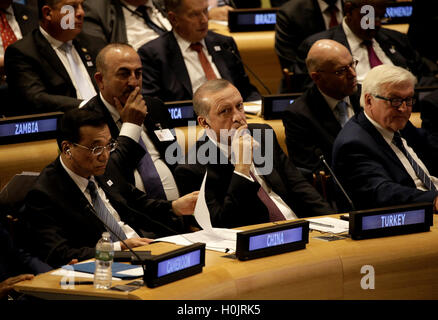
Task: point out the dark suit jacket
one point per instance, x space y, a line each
37 79
26 16
165 74
395 44
157 116
15 261
105 22
64 226
310 124
371 172
232 199
429 115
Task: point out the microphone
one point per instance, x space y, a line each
227 47
319 154
89 207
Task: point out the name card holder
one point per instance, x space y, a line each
258 19
181 112
276 239
390 221
273 105
174 265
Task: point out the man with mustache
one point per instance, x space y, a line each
379 156
180 61
49 69
142 118
249 178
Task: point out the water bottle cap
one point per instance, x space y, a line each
105 235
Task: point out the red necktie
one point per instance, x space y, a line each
8 35
274 213
333 10
372 56
206 66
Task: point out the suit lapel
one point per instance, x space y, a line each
215 50
389 49
177 62
87 60
24 18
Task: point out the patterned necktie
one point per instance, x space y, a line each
143 10
418 170
333 10
206 66
7 34
342 113
80 80
149 175
274 213
103 213
372 56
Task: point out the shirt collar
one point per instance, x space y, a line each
9 10
52 41
332 102
323 5
353 40
148 4
112 110
388 135
225 148
183 43
81 182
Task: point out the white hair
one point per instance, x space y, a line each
382 75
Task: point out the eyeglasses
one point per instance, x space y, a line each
97 151
344 70
397 102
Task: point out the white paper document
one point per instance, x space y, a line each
327 224
253 107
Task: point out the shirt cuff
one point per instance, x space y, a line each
244 176
130 130
117 246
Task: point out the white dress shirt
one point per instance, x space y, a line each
14 26
56 44
134 132
82 184
138 32
388 136
282 206
360 52
326 14
191 59
333 102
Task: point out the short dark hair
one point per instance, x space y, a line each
42 3
72 121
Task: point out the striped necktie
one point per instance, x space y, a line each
418 170
104 215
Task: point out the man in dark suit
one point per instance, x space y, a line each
49 70
296 20
144 119
429 115
115 21
314 120
371 45
379 156
178 62
75 193
245 184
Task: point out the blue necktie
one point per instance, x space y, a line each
342 113
418 171
82 84
149 175
103 213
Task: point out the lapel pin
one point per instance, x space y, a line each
217 48
84 50
88 57
392 49
25 17
109 183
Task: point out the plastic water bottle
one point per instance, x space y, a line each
104 261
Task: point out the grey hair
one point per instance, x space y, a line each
201 103
382 75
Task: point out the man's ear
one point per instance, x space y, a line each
47 12
315 76
203 122
99 80
171 16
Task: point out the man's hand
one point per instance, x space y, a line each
8 284
134 110
242 148
219 13
186 204
135 242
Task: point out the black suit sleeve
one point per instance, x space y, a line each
151 63
126 156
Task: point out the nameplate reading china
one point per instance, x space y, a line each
390 221
174 265
268 241
252 19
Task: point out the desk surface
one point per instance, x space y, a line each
405 268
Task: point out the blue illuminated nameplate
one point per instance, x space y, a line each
29 128
272 240
275 238
240 20
174 265
398 13
391 221
179 263
181 112
274 105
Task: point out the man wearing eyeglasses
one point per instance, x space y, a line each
314 120
379 156
82 194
